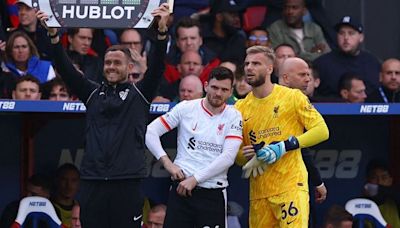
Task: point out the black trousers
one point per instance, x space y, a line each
110 204
205 208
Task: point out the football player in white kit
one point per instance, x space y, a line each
209 137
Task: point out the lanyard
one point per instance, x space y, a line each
383 95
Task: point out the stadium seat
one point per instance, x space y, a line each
253 17
365 210
38 212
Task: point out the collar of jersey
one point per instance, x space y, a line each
208 111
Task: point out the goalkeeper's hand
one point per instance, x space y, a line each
273 152
253 167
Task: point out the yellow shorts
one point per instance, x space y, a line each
290 209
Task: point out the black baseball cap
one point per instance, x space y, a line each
219 6
350 21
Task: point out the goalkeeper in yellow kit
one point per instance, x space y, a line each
274 119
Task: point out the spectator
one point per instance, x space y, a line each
381 189
28 24
75 216
190 88
37 185
136 74
199 171
306 38
389 77
188 38
190 64
22 58
338 217
27 88
222 30
241 88
66 187
80 40
113 167
352 88
295 73
57 90
156 216
313 84
132 39
349 58
282 52
230 65
258 36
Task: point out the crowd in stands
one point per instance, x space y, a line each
201 41
203 35
62 189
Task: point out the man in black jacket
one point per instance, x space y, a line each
296 74
114 163
389 77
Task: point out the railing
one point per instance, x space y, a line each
159 108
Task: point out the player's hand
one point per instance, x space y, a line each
273 152
163 13
320 193
186 186
248 152
42 17
254 168
175 171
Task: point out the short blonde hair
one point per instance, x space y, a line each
267 51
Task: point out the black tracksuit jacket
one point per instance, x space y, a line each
116 118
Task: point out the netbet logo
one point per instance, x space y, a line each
37 204
363 205
7 105
374 109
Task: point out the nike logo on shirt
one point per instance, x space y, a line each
195 126
288 223
135 218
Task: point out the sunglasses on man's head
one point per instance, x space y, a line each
259 38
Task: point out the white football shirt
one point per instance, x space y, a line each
201 137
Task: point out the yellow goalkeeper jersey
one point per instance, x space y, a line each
283 113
